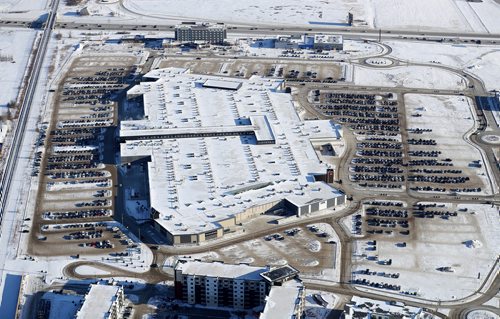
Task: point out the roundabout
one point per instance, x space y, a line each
379 62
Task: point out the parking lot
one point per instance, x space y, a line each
77 191
440 159
417 249
312 250
290 69
401 144
375 121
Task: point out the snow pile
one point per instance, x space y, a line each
473 243
481 314
314 246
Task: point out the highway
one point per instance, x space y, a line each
268 30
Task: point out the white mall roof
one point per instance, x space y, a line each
218 269
197 181
97 302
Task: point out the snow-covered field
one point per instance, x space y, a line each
21 5
449 54
293 12
15 50
488 11
425 15
481 60
487 67
409 77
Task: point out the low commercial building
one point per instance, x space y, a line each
328 42
212 33
318 41
223 151
275 290
359 308
102 301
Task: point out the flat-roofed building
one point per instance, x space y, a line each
220 285
212 33
328 42
222 151
240 286
285 302
367 308
102 301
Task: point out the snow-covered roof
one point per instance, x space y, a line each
216 153
328 38
218 269
98 302
222 84
370 306
283 301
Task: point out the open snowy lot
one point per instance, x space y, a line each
425 15
293 12
480 60
466 243
487 67
488 11
15 50
409 77
21 5
443 15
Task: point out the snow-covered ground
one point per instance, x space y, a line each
488 11
487 67
21 5
481 314
425 15
15 51
421 77
480 60
293 12
449 54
